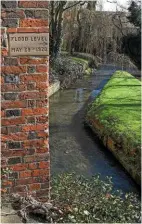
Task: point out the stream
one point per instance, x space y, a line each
73 148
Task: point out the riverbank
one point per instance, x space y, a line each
66 70
115 116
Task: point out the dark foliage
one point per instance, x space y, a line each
66 71
131 43
135 14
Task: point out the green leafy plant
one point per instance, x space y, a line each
91 200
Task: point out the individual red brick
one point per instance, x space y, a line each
33 23
13 87
30 150
38 127
33 4
37 158
43 134
11 153
13 69
34 77
25 174
7 183
1 80
42 119
33 61
43 165
30 159
41 150
33 166
30 120
13 121
16 136
19 189
36 173
42 86
41 179
34 111
42 103
4 138
12 30
31 103
4 52
19 167
33 187
34 143
4 131
13 104
2 113
24 181
32 95
41 68
31 86
13 14
14 129
19 152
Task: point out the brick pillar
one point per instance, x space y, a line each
24 105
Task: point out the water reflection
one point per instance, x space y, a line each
73 149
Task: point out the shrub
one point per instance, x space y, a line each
67 71
91 200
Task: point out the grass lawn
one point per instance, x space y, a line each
118 108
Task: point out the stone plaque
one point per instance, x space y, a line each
28 44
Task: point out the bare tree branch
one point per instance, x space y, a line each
72 5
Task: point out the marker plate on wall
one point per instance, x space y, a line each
33 44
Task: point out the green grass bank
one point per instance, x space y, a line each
115 115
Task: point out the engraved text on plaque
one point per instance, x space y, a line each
28 44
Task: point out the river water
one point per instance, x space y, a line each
74 148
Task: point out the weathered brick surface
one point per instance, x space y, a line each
10 96
4 52
24 106
7 22
33 61
32 30
11 61
33 4
40 14
12 78
33 22
13 69
9 4
12 13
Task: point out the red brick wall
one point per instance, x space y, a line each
24 104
